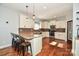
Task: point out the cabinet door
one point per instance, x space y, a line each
22 21
39 43
59 35
36 45
26 23
61 24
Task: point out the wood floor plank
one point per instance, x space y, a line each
47 50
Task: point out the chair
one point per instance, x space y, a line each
15 42
24 46
19 44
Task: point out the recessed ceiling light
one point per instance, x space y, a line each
54 16
45 7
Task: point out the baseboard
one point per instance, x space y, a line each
4 46
55 38
45 37
59 39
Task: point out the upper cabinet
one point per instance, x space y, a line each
26 23
61 24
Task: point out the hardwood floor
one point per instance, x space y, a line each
48 50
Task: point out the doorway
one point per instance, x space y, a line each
69 33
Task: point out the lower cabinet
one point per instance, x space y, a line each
36 45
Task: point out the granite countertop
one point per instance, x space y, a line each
29 36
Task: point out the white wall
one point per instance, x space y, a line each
75 44
5 29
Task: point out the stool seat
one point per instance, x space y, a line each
24 46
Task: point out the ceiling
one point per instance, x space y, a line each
42 10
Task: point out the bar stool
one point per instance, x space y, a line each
19 44
24 46
15 42
14 38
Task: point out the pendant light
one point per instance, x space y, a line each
33 12
27 11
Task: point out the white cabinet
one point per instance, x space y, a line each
36 45
45 34
59 35
61 24
26 23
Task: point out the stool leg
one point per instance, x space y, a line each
27 48
19 50
12 42
23 51
31 49
15 46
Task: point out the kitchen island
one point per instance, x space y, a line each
36 41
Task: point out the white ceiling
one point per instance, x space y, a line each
42 10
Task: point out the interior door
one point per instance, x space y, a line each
69 30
